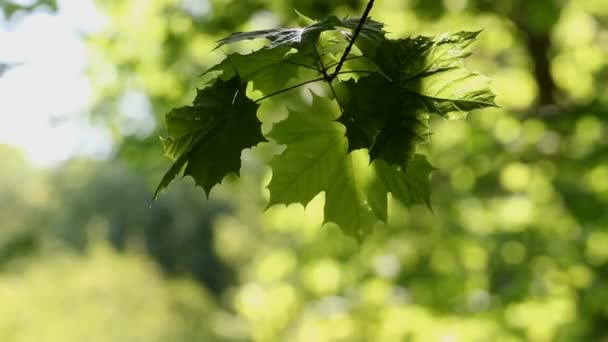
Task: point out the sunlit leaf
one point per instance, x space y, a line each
316 160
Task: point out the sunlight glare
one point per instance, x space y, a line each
45 94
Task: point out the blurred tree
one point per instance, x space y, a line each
112 200
105 296
86 198
11 8
18 203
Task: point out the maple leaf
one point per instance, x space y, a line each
315 146
410 185
379 118
389 117
316 159
452 93
410 57
432 71
208 136
357 200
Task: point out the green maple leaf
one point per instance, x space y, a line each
389 117
411 57
378 117
315 145
316 159
452 93
431 71
410 185
208 136
357 200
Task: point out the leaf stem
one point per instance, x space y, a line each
289 88
320 63
326 76
368 9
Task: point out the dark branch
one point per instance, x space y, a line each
368 9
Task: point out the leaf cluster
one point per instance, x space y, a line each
357 129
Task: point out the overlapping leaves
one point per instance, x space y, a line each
316 160
356 142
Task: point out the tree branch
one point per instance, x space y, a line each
368 9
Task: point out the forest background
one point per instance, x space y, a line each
515 249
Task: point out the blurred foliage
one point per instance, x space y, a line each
10 8
516 248
86 197
103 296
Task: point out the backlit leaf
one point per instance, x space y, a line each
208 136
316 160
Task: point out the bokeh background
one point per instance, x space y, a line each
515 249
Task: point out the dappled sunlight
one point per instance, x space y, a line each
323 277
512 247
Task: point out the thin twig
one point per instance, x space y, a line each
289 88
326 76
370 4
320 63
